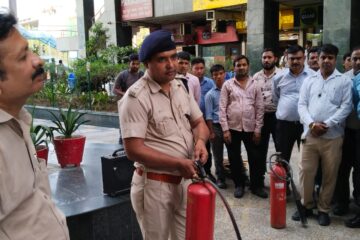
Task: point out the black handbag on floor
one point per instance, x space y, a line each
117 172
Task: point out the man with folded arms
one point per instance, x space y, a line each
325 102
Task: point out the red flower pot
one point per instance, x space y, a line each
42 151
69 151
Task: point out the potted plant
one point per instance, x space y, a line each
69 148
40 135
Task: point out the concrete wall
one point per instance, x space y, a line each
67 44
262 30
85 15
170 7
337 25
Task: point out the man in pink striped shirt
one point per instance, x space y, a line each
241 118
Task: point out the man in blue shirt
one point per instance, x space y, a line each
285 91
212 120
206 84
325 102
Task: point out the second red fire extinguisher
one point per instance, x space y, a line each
277 194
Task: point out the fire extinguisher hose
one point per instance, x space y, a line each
202 177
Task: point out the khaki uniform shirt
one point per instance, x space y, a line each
26 209
162 121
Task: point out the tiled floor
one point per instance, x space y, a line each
252 213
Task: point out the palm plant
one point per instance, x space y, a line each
40 134
67 122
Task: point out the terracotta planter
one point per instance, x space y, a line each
42 151
69 151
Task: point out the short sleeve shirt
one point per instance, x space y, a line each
26 208
126 78
162 120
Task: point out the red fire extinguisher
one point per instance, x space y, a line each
200 211
277 193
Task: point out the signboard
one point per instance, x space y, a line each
204 36
136 9
212 4
308 16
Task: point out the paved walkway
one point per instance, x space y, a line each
252 213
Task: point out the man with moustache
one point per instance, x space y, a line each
264 78
26 208
350 152
163 132
241 118
286 88
325 102
191 80
313 58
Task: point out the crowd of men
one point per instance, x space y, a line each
169 118
309 103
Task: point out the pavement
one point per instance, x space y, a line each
252 213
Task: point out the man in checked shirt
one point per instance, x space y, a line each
264 79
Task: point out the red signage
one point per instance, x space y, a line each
205 36
136 9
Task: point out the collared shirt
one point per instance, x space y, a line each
241 109
352 121
206 84
162 120
286 88
26 208
212 105
328 101
265 83
194 86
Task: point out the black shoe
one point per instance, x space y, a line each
353 222
260 192
296 215
211 177
341 209
239 192
221 184
323 218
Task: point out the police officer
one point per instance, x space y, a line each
163 132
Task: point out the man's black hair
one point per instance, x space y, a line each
184 55
269 50
134 57
197 60
216 68
329 49
346 55
7 22
292 49
312 50
356 48
238 58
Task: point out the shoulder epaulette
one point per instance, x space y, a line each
138 86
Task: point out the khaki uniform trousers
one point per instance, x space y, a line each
329 151
160 207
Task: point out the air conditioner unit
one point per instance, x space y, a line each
210 15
